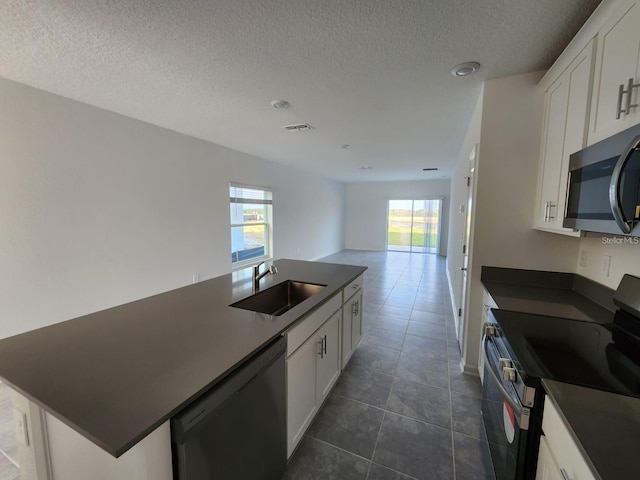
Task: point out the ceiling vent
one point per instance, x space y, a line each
301 127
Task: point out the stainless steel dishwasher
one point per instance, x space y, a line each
237 430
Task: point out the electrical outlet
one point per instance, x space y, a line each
584 254
606 265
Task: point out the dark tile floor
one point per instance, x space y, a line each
401 409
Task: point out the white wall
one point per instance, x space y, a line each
459 199
625 257
97 209
366 214
506 178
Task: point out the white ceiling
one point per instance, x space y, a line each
374 74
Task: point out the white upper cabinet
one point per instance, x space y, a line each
614 106
564 132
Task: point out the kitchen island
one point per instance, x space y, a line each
117 375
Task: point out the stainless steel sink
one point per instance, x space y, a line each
279 298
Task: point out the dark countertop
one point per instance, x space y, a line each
606 427
554 294
114 376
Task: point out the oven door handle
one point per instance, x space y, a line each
614 187
522 413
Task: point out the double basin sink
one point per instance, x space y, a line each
280 298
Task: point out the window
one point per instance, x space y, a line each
251 224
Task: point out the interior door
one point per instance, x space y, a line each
466 234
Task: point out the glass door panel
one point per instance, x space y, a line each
413 225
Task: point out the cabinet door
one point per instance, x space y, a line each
301 391
328 356
616 63
563 444
579 77
566 123
351 326
547 469
347 326
356 320
556 99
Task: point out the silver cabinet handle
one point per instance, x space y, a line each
546 210
323 346
619 109
549 217
565 476
629 92
614 187
463 269
356 307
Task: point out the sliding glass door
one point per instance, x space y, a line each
414 225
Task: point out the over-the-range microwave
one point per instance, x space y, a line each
604 185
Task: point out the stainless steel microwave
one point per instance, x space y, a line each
604 185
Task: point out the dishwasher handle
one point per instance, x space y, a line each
200 410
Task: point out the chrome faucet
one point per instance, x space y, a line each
257 275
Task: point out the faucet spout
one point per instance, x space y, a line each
257 276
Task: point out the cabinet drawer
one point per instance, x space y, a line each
304 328
350 290
562 445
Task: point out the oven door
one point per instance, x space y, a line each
506 420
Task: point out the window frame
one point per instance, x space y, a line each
267 223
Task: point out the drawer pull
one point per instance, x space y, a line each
565 476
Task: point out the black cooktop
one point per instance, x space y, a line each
583 353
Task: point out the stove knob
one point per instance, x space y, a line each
504 362
489 330
509 374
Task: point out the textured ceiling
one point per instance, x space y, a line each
374 74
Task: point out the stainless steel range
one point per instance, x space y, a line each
521 349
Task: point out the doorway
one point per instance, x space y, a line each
466 237
414 225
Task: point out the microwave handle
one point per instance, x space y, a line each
614 187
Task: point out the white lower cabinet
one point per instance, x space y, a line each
328 359
318 348
301 392
313 366
548 468
559 456
351 325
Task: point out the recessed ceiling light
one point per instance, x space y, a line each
280 104
465 69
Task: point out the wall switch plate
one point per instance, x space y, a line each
22 435
606 265
584 255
